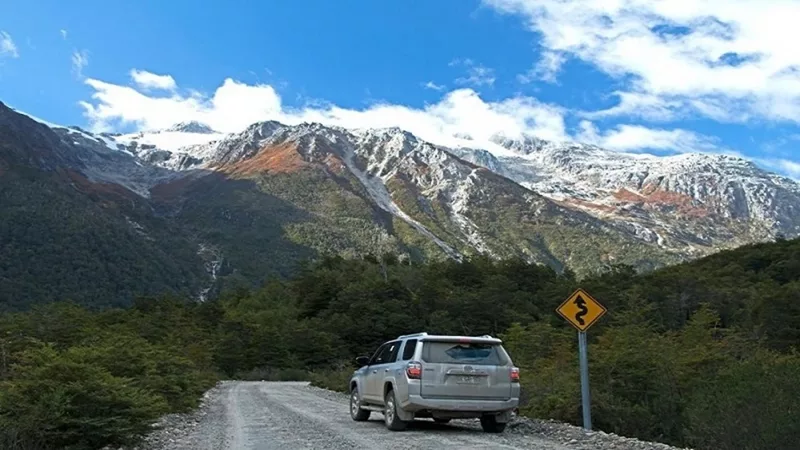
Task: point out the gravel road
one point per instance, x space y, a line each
287 416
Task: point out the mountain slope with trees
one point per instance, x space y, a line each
101 225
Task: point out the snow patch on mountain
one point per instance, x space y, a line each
392 152
109 143
194 127
167 140
375 186
460 202
652 191
37 119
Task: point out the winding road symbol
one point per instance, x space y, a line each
581 310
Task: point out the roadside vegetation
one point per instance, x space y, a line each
702 354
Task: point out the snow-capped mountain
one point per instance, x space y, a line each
690 203
373 190
193 126
692 200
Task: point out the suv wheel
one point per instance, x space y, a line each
358 414
393 422
490 424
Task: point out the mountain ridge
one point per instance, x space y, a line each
692 185
260 201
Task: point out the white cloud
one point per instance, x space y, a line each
235 105
461 62
149 80
460 117
545 70
477 74
232 107
667 108
635 138
63 34
642 105
7 46
588 133
704 56
788 167
433 86
80 59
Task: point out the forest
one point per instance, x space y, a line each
702 354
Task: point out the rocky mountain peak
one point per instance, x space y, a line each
191 127
525 144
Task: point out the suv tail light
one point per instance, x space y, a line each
414 370
515 374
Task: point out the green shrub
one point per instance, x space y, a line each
548 370
752 405
64 402
335 380
155 368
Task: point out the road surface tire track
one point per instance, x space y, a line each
239 415
289 416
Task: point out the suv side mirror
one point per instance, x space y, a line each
362 361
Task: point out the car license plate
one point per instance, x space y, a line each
467 379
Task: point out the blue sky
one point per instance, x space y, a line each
631 75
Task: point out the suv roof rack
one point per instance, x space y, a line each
413 335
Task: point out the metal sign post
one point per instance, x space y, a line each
582 311
586 400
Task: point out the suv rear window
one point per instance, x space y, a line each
408 350
463 353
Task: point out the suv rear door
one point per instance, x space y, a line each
469 368
378 368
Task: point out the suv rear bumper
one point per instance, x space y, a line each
418 403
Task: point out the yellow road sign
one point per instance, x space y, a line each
581 310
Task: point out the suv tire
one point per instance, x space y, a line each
358 414
490 424
393 422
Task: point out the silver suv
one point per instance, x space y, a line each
440 377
